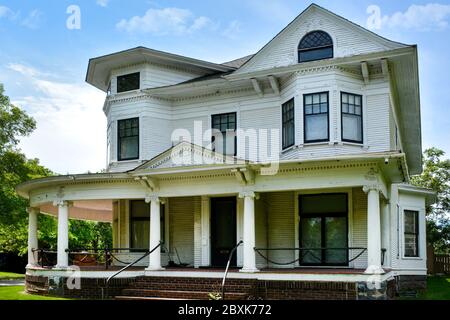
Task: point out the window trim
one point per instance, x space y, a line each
162 214
235 129
322 216
128 74
283 146
416 233
299 50
362 119
305 141
119 158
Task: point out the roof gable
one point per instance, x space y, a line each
186 154
348 39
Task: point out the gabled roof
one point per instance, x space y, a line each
389 43
186 154
99 68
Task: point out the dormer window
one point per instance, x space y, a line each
128 82
316 45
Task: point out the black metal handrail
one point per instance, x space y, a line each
125 268
305 251
228 267
43 255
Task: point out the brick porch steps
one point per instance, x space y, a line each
186 288
179 294
147 298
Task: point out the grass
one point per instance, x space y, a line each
438 288
11 276
18 293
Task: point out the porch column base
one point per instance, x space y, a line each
155 269
374 270
248 270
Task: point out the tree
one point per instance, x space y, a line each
436 176
15 168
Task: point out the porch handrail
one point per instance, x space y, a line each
307 250
224 279
126 267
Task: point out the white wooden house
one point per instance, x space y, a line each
322 135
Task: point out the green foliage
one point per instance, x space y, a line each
436 176
15 168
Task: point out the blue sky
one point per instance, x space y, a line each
43 63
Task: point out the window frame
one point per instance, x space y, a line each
125 75
131 219
235 130
305 141
362 118
300 50
323 216
416 233
119 158
283 123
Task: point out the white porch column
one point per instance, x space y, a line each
155 234
63 234
249 238
385 232
373 230
32 235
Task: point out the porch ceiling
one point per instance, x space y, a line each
92 210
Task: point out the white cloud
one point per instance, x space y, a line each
33 20
165 21
71 126
102 3
431 16
232 30
6 12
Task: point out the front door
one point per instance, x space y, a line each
223 230
323 229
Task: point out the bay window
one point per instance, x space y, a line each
316 118
128 139
287 110
351 117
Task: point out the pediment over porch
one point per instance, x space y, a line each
186 154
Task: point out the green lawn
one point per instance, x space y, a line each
10 276
18 293
438 288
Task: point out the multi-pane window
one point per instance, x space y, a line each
411 233
315 107
287 110
140 224
128 82
351 112
316 45
128 139
224 133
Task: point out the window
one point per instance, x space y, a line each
224 139
323 229
128 139
316 45
128 82
287 110
315 108
411 233
140 224
351 117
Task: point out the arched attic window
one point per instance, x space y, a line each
316 45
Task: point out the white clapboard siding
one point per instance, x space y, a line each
359 232
153 75
281 226
261 229
181 216
348 40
